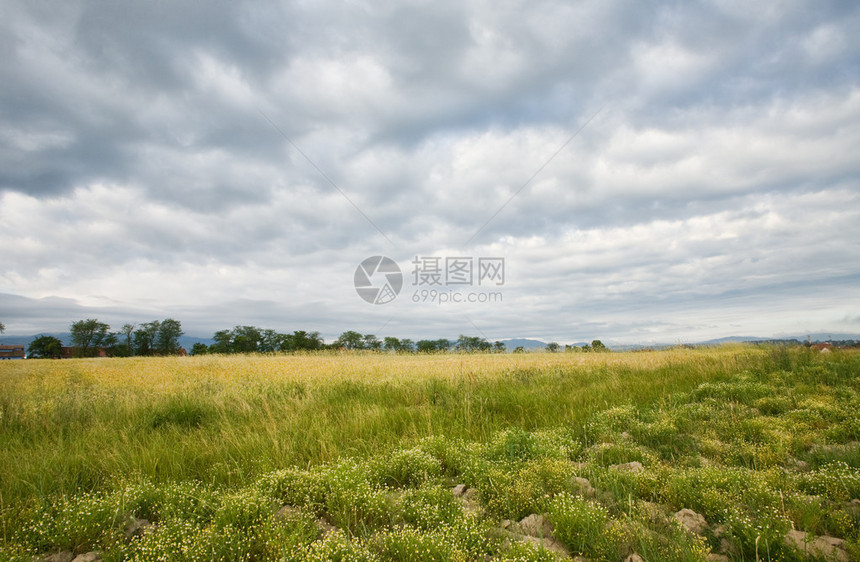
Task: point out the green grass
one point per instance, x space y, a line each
209 449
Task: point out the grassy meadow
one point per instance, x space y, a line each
354 456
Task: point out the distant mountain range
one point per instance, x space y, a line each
511 345
817 337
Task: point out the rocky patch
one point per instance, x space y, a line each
634 466
692 521
468 498
822 547
536 529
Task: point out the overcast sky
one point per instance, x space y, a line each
649 171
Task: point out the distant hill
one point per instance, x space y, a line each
527 344
731 339
25 340
814 337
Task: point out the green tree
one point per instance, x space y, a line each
88 335
499 347
127 332
199 348
426 346
246 339
46 346
167 337
307 341
472 344
111 345
370 341
145 336
519 349
432 346
391 344
223 342
350 340
2 327
598 346
301 340
395 345
271 341
553 347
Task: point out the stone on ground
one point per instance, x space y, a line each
634 466
88 557
692 521
823 547
136 527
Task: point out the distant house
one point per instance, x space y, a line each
12 352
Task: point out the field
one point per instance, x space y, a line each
434 457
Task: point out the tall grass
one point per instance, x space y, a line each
74 424
236 458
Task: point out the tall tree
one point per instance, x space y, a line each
246 339
301 340
308 341
223 342
426 346
111 345
598 346
144 338
350 340
88 335
128 331
370 341
46 346
2 328
271 340
167 337
432 346
472 344
390 343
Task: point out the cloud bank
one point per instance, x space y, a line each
227 163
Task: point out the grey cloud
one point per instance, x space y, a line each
135 132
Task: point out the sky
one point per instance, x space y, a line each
656 171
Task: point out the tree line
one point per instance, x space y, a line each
91 338
354 340
251 339
596 347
